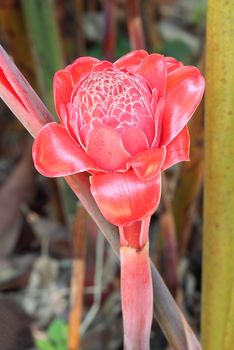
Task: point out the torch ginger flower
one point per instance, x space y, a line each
124 123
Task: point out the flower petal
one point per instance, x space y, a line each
123 198
158 122
63 88
172 64
153 69
185 88
102 65
131 60
80 67
134 140
148 164
104 146
178 149
146 124
55 153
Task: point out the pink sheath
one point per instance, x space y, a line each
137 297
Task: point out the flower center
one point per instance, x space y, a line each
111 98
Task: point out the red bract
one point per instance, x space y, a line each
124 123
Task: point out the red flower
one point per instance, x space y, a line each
124 123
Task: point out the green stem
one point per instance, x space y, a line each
46 46
218 262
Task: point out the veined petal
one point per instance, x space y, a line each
123 198
55 153
153 69
172 64
148 164
131 60
185 88
104 146
134 140
178 149
63 87
80 67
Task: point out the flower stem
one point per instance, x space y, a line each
137 297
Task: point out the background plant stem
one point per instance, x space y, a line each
218 249
46 46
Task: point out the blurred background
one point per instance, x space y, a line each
42 227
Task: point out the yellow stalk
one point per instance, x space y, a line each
218 253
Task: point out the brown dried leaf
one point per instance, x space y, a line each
16 190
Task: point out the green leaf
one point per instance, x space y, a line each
57 332
44 344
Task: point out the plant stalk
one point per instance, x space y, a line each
218 248
137 297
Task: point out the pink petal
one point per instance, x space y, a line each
80 67
102 66
172 64
146 124
131 60
123 198
20 97
154 100
55 153
185 88
63 87
83 133
67 118
153 69
134 140
158 122
178 149
148 164
104 146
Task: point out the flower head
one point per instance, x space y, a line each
124 123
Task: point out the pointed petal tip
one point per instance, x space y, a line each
148 164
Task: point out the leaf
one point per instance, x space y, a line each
16 190
44 344
43 31
58 331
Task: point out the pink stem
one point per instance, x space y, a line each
137 297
